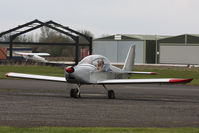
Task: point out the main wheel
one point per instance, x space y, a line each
111 94
72 93
76 93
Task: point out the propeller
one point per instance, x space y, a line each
70 69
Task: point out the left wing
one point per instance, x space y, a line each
144 81
33 76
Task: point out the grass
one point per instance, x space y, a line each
31 69
164 72
96 130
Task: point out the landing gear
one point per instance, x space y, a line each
111 93
75 93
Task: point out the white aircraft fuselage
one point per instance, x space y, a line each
87 73
33 56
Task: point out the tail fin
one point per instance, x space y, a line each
129 62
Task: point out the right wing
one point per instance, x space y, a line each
33 76
144 81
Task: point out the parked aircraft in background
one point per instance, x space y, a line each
33 56
97 70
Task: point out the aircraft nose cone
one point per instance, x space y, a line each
70 69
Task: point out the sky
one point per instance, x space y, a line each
107 17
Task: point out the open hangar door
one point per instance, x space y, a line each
179 54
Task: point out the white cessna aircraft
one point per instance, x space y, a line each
97 70
34 56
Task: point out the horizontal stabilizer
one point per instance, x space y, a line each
136 72
33 76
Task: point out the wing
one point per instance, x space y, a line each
144 81
33 76
39 54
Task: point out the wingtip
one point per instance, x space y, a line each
180 80
154 73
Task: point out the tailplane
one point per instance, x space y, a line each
129 62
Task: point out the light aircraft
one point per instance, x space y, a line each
97 70
34 56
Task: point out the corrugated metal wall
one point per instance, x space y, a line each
182 49
179 54
106 48
116 51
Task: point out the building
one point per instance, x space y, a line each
115 47
181 49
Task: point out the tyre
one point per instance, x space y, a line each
76 93
72 93
111 94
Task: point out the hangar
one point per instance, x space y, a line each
9 38
116 47
181 49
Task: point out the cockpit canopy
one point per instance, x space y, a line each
99 61
92 59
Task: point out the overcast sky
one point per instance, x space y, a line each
164 17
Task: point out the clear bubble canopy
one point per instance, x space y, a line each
98 61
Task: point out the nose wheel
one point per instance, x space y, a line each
75 93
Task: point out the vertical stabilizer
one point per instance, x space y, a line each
129 62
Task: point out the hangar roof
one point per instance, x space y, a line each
184 38
128 37
146 37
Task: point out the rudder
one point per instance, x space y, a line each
130 58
